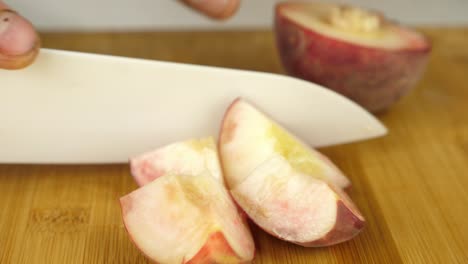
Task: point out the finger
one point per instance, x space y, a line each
19 42
218 9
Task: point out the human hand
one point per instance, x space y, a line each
19 42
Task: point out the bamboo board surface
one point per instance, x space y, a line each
410 185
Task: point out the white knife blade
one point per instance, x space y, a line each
74 107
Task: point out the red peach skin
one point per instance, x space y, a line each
375 77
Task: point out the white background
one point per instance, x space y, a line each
114 15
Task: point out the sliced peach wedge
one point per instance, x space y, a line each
183 216
287 188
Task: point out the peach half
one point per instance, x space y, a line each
356 52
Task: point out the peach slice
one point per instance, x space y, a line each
285 187
353 51
190 157
183 212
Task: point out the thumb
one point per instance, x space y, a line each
218 9
19 42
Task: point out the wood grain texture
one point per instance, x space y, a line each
410 185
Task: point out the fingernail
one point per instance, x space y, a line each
17 35
216 8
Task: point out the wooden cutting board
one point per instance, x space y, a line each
410 185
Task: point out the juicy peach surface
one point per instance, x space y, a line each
248 138
284 186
